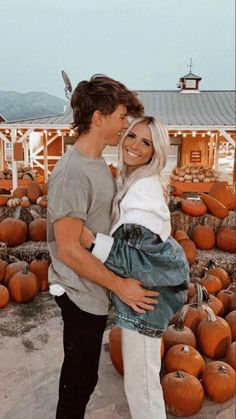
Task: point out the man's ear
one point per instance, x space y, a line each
97 118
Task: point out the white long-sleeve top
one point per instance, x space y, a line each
143 204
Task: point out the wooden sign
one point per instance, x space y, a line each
195 156
18 152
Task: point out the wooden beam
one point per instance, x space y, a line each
45 156
14 163
1 154
25 135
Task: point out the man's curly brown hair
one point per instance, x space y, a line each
104 94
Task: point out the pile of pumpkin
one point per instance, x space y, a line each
22 173
13 230
219 201
21 281
195 173
25 196
198 348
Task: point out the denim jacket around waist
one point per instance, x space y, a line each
139 253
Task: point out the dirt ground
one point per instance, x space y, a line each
31 354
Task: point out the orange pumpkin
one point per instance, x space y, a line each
180 235
204 237
219 272
3 265
33 191
219 380
13 231
4 296
231 355
231 320
23 286
183 393
211 283
19 192
226 239
115 349
214 206
196 311
12 268
179 333
224 194
39 267
25 202
37 228
189 249
44 189
193 208
184 358
213 335
3 199
226 296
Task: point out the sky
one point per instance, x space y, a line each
146 44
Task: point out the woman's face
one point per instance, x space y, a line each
137 147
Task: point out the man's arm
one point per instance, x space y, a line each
68 232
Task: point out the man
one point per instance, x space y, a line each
81 189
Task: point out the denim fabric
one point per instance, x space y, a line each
139 253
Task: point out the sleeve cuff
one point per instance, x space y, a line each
102 248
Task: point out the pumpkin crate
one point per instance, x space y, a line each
183 187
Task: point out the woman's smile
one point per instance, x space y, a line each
137 147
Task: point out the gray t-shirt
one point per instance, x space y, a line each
83 188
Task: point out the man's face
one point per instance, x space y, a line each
114 125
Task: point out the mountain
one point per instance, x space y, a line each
14 105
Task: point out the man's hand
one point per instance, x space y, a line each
132 293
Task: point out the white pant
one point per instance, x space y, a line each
142 364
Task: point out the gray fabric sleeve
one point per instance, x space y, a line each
69 199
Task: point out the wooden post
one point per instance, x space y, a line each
26 152
45 156
1 154
216 157
211 152
234 171
14 163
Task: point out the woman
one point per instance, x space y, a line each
141 247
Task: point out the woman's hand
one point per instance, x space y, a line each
87 238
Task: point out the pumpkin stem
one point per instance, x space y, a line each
17 212
222 369
212 264
180 318
210 313
34 214
25 270
185 349
200 296
179 374
203 220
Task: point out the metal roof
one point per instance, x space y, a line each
191 76
174 108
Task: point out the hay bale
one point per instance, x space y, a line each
181 221
30 250
223 259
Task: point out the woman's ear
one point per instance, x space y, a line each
97 118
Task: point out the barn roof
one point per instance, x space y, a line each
202 109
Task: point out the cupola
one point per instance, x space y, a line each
190 82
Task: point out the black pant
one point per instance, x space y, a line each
82 347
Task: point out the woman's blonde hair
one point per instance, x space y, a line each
160 139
